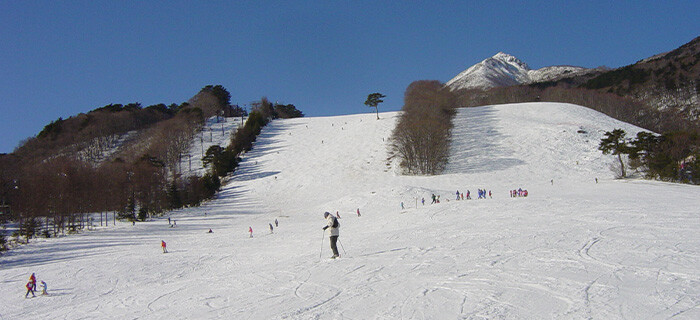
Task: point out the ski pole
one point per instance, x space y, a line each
341 246
322 237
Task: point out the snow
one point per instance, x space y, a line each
506 70
573 248
215 131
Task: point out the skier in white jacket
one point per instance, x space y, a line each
334 233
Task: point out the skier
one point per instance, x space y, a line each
434 199
490 195
333 225
469 197
462 195
422 200
358 212
168 220
250 230
43 288
402 208
30 288
277 224
210 231
457 194
271 228
32 279
163 245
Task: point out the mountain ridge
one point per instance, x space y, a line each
503 69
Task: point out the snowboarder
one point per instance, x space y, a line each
271 228
43 288
277 224
30 288
334 233
163 245
250 230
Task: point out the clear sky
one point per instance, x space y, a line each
61 58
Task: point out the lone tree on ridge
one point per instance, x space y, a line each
373 100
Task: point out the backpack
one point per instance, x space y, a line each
336 224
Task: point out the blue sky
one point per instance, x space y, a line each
61 58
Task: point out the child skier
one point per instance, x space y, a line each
30 288
43 288
163 245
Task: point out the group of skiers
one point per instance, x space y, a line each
31 286
276 222
518 193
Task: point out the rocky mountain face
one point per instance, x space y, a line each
504 70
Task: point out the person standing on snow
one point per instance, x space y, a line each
250 230
32 279
457 194
43 288
277 224
163 245
271 228
334 233
30 288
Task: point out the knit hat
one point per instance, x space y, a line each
325 215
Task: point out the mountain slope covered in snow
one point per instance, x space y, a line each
573 248
503 70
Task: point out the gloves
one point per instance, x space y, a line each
326 227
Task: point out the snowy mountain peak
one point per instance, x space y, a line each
509 59
506 70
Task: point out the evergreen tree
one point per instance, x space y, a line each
373 101
614 143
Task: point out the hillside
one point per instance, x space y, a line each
666 81
573 248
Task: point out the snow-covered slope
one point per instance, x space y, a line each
573 248
506 70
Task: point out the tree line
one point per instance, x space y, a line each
49 183
622 108
672 156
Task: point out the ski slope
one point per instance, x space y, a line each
574 248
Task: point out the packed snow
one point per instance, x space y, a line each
573 248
